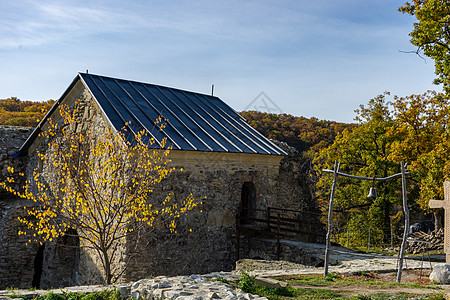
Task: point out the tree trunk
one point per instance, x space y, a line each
438 218
107 267
387 222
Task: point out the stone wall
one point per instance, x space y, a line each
11 139
65 261
258 247
211 245
16 257
294 191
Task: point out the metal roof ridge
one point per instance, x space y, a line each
150 84
213 114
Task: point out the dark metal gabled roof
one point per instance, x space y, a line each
193 121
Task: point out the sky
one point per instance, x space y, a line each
319 58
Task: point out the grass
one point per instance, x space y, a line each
247 284
373 250
221 279
404 296
364 279
319 287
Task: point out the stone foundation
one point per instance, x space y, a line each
266 249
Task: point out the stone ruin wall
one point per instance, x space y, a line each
295 191
63 264
210 246
16 259
19 259
24 264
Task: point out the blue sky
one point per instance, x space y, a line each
317 58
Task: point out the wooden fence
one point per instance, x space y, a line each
279 223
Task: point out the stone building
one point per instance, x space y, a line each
224 160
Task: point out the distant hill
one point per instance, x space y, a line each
302 133
15 112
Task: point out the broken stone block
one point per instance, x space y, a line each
441 274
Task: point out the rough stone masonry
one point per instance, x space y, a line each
206 241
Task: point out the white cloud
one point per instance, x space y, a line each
292 49
37 23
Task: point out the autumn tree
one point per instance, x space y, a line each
431 34
364 151
304 134
15 112
421 127
100 187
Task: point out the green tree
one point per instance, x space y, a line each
364 151
431 34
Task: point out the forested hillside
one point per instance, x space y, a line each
15 112
300 132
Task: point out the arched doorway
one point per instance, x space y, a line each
248 202
38 267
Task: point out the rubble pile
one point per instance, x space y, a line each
420 242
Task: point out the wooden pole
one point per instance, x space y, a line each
406 230
337 165
336 173
238 232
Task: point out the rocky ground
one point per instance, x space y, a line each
343 261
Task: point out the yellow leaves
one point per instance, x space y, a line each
98 183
